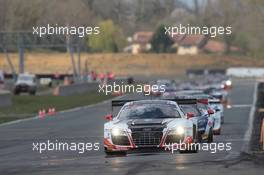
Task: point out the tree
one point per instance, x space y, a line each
110 38
160 41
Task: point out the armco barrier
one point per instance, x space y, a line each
245 72
122 80
262 134
5 98
78 88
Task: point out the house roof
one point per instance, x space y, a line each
214 46
218 46
190 40
142 37
178 38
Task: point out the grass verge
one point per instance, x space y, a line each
28 106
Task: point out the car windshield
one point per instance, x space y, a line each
190 108
149 111
25 78
214 106
202 106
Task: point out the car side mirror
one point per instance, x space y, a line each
210 111
190 115
109 117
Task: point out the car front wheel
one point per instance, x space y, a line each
114 153
210 136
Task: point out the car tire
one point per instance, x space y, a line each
16 92
199 137
217 132
210 138
32 93
195 148
222 121
190 150
113 153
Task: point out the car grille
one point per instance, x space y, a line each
120 140
147 139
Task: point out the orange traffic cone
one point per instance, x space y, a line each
49 111
53 110
42 113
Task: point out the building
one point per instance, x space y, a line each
191 44
140 42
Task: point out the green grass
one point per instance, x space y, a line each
28 106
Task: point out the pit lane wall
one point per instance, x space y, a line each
78 88
5 98
244 72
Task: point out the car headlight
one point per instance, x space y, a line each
117 132
178 131
228 82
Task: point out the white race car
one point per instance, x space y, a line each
218 116
148 124
217 113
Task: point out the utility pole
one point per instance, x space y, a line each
21 50
79 60
70 49
10 64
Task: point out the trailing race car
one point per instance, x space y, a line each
216 105
212 106
201 119
148 124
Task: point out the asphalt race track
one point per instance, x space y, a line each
86 125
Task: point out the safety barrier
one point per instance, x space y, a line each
78 88
262 134
245 72
121 80
205 71
5 98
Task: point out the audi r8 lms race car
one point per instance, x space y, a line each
147 124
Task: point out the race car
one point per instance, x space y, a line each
218 108
151 124
214 109
202 120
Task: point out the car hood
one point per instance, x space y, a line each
137 122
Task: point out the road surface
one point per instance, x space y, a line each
86 125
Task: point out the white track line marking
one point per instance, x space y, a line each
247 136
241 106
